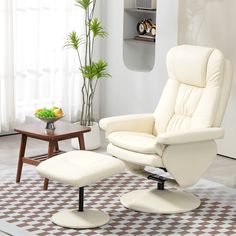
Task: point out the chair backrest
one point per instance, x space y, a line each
197 91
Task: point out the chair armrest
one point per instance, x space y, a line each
138 123
191 136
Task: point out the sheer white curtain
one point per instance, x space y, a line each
45 73
6 66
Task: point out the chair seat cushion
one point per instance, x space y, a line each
131 157
136 142
80 168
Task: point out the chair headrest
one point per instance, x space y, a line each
194 65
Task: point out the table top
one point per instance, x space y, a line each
64 130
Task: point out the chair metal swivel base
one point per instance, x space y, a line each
80 219
160 200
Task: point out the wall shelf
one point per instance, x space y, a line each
138 54
140 10
140 40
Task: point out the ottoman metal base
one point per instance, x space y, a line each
80 219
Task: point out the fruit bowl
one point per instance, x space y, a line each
50 122
49 116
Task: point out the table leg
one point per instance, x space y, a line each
56 146
51 147
81 142
21 155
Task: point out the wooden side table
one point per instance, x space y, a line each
63 131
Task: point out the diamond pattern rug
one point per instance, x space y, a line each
27 206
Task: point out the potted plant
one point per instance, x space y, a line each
91 71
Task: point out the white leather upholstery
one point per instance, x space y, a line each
136 141
135 157
188 65
80 168
225 92
198 135
138 123
186 121
193 90
187 162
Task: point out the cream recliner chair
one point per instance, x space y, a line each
179 137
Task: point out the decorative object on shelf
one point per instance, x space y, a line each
91 71
146 26
146 4
50 116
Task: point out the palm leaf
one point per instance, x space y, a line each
88 71
83 3
101 67
97 70
73 41
97 28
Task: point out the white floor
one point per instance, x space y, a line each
222 170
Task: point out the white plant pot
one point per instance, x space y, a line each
92 139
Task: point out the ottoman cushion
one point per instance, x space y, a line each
80 168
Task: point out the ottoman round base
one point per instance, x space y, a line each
80 219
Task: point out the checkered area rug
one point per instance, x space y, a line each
27 206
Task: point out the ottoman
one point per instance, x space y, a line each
80 169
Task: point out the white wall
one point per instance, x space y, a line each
129 91
212 23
